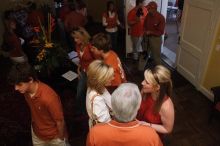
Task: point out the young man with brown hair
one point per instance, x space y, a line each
102 49
47 121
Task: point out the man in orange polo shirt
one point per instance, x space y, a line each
135 20
102 49
124 130
45 106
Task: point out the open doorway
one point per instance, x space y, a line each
170 9
172 30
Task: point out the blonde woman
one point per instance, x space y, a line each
157 107
83 48
98 99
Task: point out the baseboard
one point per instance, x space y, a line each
207 93
168 61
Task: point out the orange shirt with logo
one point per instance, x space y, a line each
113 60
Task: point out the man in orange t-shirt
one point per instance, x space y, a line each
101 48
124 130
45 106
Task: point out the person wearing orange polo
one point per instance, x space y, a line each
124 130
135 21
47 120
102 49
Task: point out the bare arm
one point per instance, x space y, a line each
167 118
79 71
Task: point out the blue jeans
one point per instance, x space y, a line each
81 93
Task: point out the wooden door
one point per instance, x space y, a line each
193 51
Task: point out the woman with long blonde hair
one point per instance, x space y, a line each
98 99
157 107
83 48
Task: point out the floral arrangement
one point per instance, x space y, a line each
49 55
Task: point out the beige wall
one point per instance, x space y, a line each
212 76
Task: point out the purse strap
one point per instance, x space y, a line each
94 117
92 100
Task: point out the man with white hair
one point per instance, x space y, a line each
124 129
